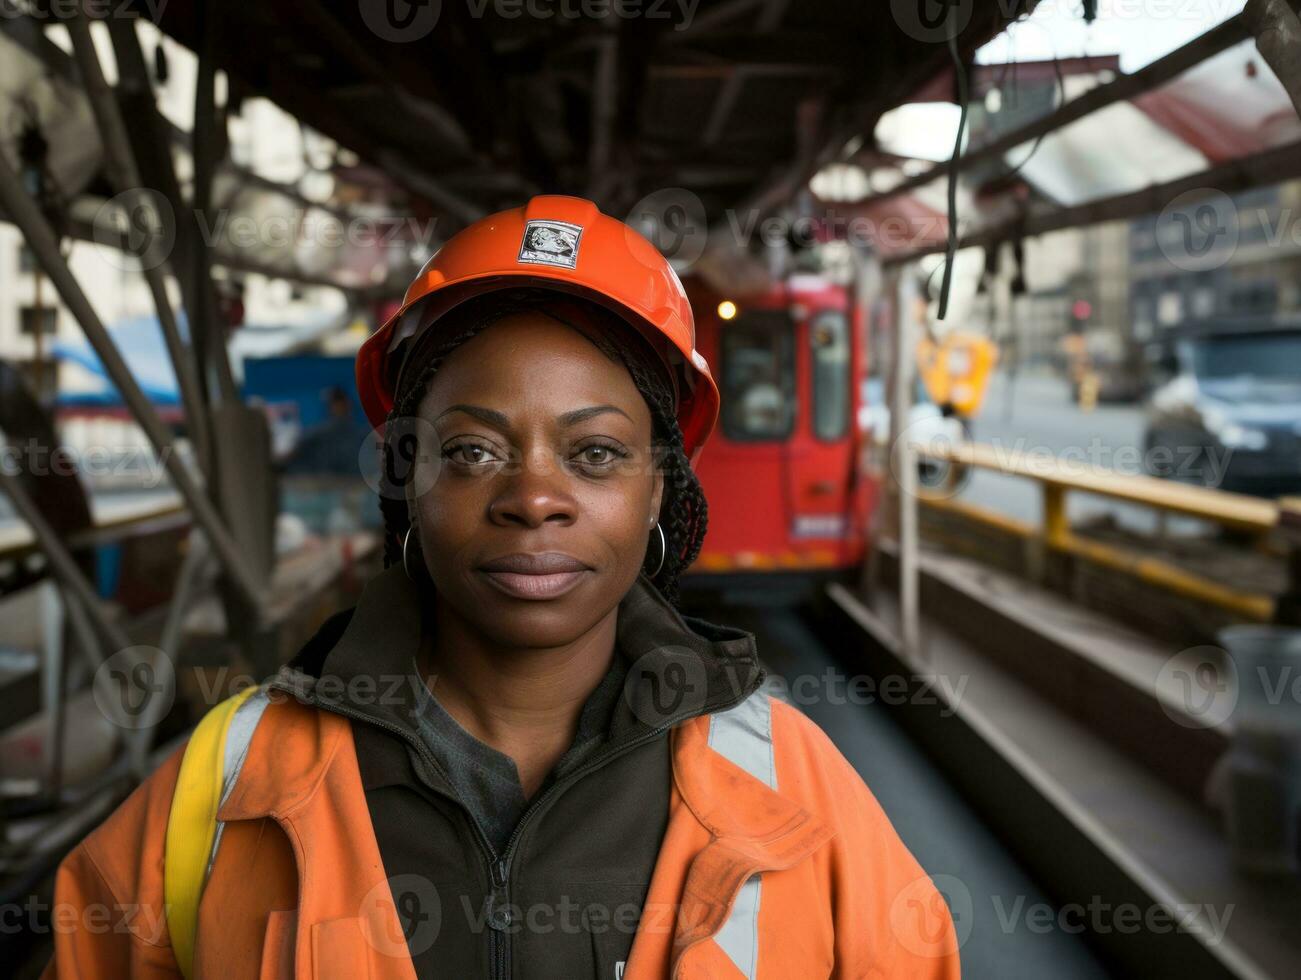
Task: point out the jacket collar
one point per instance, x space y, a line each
747 827
361 665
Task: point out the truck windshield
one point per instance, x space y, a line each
758 376
1272 356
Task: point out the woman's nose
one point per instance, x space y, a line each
537 490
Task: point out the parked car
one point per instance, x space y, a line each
1229 413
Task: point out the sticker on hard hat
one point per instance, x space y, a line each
551 243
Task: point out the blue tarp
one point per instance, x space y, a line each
140 342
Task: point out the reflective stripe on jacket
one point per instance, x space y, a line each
777 863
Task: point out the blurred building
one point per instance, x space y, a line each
1242 256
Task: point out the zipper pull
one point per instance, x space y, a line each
499 911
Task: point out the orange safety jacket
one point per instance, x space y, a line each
777 863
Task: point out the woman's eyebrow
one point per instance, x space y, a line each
500 421
583 414
486 415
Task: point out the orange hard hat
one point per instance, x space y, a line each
565 244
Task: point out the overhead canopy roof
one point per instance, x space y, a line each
1226 124
1228 107
735 101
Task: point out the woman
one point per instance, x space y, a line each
515 758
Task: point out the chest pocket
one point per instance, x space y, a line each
340 950
278 945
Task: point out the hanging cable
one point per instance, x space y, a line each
1061 100
960 76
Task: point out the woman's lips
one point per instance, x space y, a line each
523 585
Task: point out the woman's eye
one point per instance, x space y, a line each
468 454
599 457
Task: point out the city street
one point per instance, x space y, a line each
1033 412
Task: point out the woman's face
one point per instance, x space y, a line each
542 454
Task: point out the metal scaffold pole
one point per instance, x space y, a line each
906 460
23 211
81 603
125 175
1277 29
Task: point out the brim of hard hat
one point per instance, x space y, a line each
698 401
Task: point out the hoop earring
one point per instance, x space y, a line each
406 541
664 549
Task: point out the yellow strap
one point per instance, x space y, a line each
192 825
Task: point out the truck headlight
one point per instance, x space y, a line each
1234 436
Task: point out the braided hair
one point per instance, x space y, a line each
683 510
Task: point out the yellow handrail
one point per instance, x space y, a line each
1057 477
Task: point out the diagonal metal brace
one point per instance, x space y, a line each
24 212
